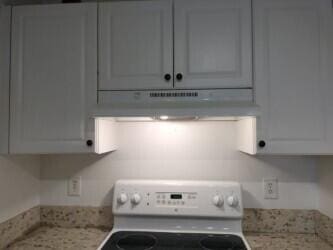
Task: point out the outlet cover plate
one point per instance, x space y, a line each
74 186
270 188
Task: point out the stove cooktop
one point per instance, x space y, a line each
125 240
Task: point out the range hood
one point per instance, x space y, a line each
177 103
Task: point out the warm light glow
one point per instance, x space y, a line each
164 117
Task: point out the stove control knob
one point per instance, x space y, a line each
218 200
232 201
136 198
122 198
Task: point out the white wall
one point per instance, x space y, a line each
325 184
19 185
173 150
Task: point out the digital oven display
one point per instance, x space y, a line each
176 196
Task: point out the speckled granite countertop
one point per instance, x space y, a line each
286 241
61 238
90 238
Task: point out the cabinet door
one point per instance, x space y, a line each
213 44
53 77
291 69
135 45
4 77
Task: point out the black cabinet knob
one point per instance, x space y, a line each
179 76
90 143
261 144
167 77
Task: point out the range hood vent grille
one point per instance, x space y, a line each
176 103
173 94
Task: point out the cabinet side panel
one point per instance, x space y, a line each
329 81
246 135
4 77
106 135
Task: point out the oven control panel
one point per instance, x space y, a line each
178 198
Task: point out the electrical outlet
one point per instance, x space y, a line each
271 188
74 186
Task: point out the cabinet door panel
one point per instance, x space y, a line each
213 43
329 82
54 77
135 45
290 51
4 77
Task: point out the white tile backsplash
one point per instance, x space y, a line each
179 150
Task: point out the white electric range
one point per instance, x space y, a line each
172 215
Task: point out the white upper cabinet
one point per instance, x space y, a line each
135 45
4 77
292 77
213 44
175 44
53 78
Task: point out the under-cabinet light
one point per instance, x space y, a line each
164 117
